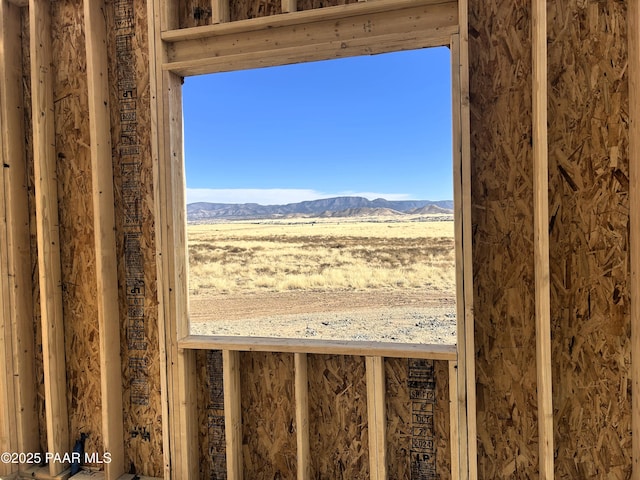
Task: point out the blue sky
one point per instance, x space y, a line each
375 126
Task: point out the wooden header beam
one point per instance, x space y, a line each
332 32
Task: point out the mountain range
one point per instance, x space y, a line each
323 208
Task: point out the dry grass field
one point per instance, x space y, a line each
351 254
367 278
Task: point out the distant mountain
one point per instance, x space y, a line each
326 207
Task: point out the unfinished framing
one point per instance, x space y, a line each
277 40
92 338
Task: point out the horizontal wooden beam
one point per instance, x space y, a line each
20 3
301 345
370 28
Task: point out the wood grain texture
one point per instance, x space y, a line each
589 244
502 215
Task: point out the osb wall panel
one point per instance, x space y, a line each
210 406
194 13
502 217
244 9
400 425
338 417
76 226
268 415
35 279
589 208
128 54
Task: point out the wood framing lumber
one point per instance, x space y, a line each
289 6
467 447
104 235
232 413
46 190
541 240
302 416
377 416
20 3
466 350
219 11
633 31
19 299
310 35
300 345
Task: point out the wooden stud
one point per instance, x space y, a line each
377 415
302 416
232 413
541 240
454 415
289 6
633 31
178 367
19 297
311 35
46 189
220 11
468 447
104 235
303 345
20 3
8 427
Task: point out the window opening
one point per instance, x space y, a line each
320 200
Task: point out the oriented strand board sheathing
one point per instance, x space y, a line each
244 9
589 244
442 420
76 228
398 418
502 215
128 48
268 415
37 325
401 424
338 417
311 4
211 415
194 13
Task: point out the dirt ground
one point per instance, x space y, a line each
403 316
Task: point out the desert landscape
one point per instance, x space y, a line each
370 276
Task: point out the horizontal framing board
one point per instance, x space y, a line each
336 347
300 37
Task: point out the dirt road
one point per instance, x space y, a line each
409 316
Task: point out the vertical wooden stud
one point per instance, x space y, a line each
302 416
633 30
289 6
48 234
377 415
219 11
467 445
541 239
104 235
232 413
16 255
